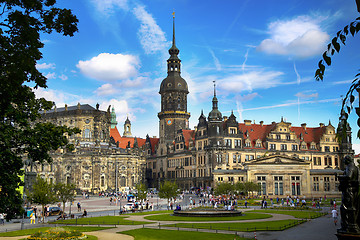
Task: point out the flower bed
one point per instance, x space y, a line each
57 234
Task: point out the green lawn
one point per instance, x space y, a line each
242 227
105 220
149 212
26 232
295 213
156 234
246 216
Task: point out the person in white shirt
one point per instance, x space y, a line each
334 215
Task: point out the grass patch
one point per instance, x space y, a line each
148 212
243 227
104 220
246 216
91 237
26 232
295 213
156 234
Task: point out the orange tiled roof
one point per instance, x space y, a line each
123 141
189 135
154 142
258 131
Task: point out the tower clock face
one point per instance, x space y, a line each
169 122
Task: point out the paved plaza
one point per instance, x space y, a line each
320 228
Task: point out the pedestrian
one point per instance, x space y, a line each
246 203
334 215
79 206
32 218
2 221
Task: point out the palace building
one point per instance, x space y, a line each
283 159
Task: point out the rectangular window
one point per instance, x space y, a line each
272 147
278 137
287 137
239 158
237 143
326 184
327 149
228 142
278 185
283 147
234 158
294 147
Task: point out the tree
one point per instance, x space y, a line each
21 22
65 193
334 47
224 189
43 193
168 190
141 191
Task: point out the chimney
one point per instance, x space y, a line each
303 126
321 124
247 122
261 123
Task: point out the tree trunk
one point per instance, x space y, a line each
358 5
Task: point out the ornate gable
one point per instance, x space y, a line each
277 159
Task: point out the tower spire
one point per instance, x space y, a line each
214 88
173 43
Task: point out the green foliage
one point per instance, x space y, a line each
20 133
141 191
43 193
161 234
105 220
245 226
245 216
247 187
168 190
224 189
65 193
335 46
26 232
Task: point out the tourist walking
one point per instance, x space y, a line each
334 215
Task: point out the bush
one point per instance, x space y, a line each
57 233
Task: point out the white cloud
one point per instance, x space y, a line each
248 97
250 81
306 95
108 7
105 90
134 83
63 77
50 75
300 37
122 110
216 60
40 66
152 38
110 67
59 97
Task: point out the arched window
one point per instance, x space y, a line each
87 133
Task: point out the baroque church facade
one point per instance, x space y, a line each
97 164
283 159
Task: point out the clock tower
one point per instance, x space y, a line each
173 91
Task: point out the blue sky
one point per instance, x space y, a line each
262 55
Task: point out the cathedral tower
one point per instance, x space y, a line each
173 91
127 128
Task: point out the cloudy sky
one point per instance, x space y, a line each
262 54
